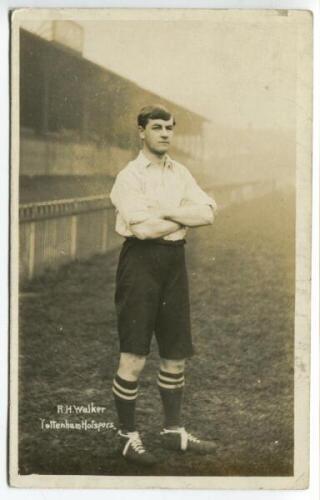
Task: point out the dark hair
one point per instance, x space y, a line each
155 112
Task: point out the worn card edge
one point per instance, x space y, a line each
300 480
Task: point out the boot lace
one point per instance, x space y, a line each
192 438
185 436
135 442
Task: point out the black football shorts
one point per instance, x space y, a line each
152 296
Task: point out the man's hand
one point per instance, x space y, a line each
166 221
190 215
154 227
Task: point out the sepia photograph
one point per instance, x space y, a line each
160 248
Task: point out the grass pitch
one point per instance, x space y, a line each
239 386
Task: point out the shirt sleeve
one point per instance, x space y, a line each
193 194
127 197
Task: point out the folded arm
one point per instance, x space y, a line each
154 228
191 215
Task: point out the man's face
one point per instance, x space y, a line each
157 135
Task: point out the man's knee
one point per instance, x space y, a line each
130 366
172 365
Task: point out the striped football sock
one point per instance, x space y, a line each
171 391
125 394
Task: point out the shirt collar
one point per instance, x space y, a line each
144 162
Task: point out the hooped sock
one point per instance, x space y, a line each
171 392
125 394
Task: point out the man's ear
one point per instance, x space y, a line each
141 132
